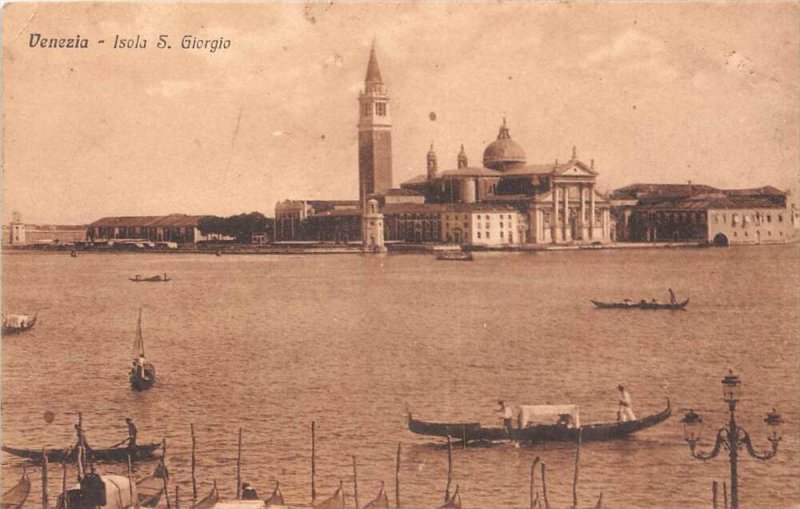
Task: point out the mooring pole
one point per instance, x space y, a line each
44 478
449 469
577 465
164 468
544 489
134 503
239 468
355 482
714 488
533 482
397 478
194 465
64 485
313 461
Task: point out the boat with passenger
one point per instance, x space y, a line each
454 256
142 373
537 424
642 304
14 324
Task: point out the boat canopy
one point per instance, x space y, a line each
16 320
548 414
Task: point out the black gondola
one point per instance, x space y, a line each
142 373
70 454
678 306
152 279
454 256
209 501
473 431
14 324
16 496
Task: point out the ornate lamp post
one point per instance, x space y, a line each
731 436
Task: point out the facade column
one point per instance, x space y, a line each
554 220
565 223
582 222
591 212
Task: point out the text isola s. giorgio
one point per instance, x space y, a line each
190 42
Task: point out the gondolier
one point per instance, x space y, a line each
132 431
506 414
625 412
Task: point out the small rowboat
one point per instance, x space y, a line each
641 305
142 373
152 279
14 324
70 454
15 497
473 431
454 256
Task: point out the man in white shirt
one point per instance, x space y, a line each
625 412
507 415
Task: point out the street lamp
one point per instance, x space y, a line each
731 436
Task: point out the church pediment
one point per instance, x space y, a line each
575 169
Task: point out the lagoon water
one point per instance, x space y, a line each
271 343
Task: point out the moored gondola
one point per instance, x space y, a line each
16 496
70 454
537 433
152 279
209 501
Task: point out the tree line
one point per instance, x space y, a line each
240 226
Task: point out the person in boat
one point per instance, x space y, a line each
628 302
672 299
625 412
132 432
248 493
506 415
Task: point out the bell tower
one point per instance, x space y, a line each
432 164
374 133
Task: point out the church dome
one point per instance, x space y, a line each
503 152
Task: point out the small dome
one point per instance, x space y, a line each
503 152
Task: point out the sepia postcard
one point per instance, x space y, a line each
479 255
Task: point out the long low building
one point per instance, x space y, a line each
178 228
700 213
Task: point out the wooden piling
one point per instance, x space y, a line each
239 468
533 498
599 504
544 489
64 485
714 488
725 495
397 478
575 477
44 478
355 482
449 469
164 467
177 497
313 461
134 503
194 466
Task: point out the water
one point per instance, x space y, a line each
270 343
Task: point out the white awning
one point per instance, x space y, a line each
547 414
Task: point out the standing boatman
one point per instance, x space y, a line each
507 416
132 431
625 412
672 299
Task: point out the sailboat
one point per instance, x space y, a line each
143 373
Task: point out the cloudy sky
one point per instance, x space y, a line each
652 92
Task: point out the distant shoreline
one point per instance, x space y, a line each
324 249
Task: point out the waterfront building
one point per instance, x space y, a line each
700 213
175 228
322 220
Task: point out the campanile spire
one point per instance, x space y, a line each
374 132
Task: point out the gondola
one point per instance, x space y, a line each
70 454
641 305
150 489
142 374
151 279
473 431
15 497
210 500
336 501
14 324
454 256
379 502
276 499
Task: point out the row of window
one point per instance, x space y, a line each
758 218
769 233
380 109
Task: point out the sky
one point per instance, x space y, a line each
655 93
